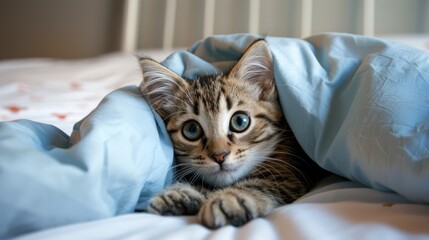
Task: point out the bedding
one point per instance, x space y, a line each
336 209
61 92
358 106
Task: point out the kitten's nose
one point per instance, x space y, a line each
219 157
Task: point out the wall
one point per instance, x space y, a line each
59 28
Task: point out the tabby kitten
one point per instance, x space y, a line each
237 159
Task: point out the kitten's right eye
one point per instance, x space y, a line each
192 130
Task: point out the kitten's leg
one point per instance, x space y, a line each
179 199
237 205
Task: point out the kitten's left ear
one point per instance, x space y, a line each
256 67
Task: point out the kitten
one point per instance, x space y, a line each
237 158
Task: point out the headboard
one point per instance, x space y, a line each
274 17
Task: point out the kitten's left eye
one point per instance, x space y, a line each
240 121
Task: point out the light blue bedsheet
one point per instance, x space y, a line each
359 107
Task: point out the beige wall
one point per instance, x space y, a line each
59 28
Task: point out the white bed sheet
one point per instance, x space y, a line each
337 209
61 92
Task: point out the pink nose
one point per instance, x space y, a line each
219 157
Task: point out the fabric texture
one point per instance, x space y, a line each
119 159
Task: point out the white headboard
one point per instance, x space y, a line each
305 14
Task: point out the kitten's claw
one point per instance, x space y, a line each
227 208
179 199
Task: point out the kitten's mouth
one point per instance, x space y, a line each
223 175
226 169
223 170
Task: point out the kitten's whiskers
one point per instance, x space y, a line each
284 164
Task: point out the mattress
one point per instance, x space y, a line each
62 92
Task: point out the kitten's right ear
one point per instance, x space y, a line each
160 86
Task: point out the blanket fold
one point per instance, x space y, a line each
120 157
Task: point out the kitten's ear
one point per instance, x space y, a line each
160 86
256 67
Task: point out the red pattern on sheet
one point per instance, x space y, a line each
46 96
61 116
15 108
75 85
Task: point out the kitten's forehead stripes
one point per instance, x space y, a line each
196 108
204 86
222 89
228 102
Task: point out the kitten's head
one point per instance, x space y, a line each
221 126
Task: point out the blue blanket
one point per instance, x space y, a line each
118 156
359 107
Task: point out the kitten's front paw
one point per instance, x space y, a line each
179 199
227 208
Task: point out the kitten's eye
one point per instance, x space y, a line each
240 121
192 130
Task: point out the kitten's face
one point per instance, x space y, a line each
222 127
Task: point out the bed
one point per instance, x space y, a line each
79 110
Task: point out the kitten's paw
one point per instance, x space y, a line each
227 208
179 199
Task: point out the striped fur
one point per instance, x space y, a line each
227 176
